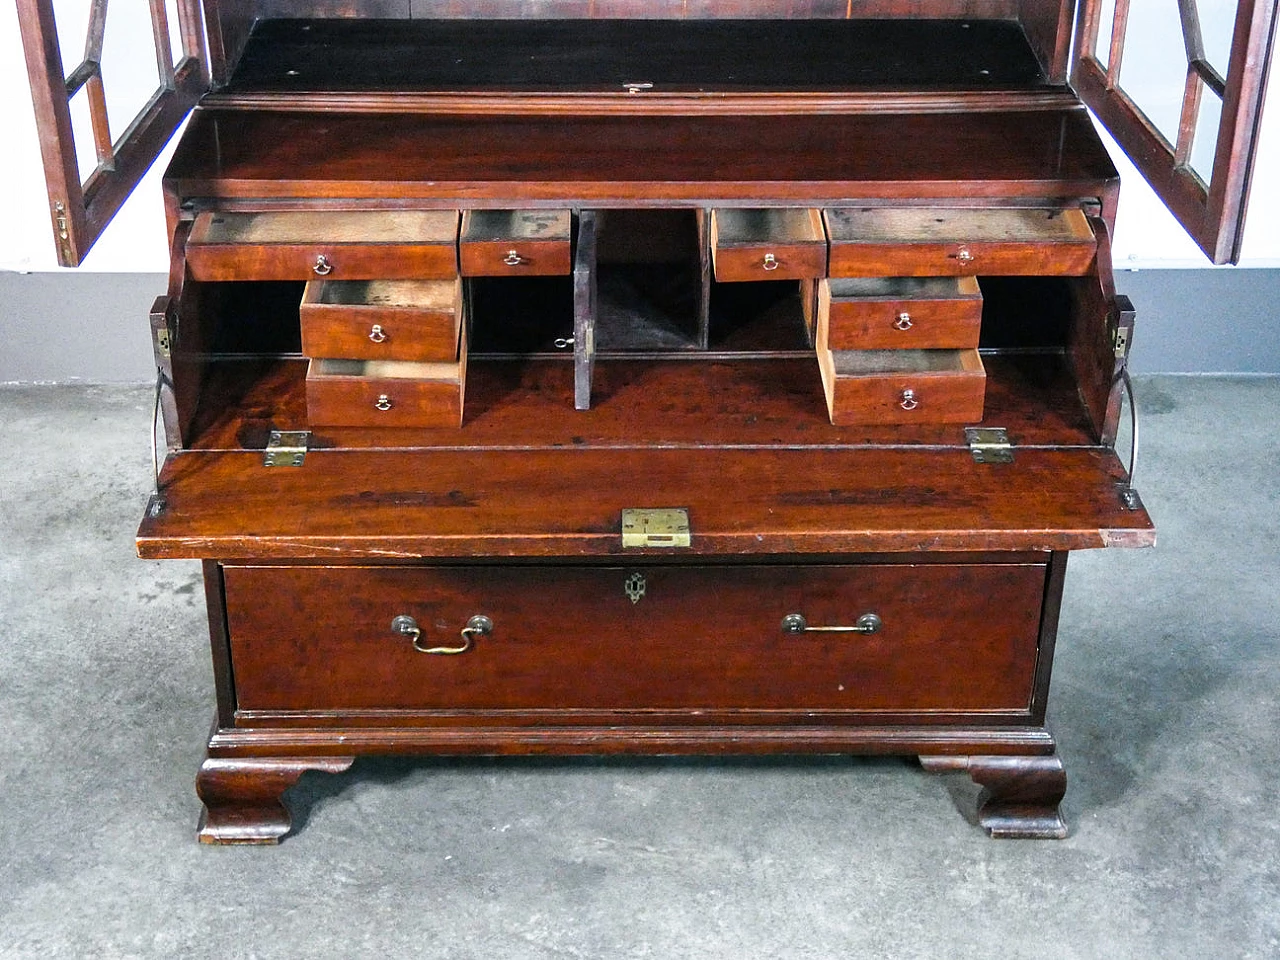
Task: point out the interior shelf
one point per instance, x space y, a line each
584 55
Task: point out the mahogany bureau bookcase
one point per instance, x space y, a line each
649 376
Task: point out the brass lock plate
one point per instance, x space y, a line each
655 527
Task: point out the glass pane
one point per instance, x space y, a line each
1106 17
1217 23
72 18
175 31
1204 146
1154 70
82 134
129 73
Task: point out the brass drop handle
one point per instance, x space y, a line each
796 623
323 267
909 400
903 321
377 334
513 258
770 262
406 626
963 255
382 403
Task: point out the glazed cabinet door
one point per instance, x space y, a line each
136 69
1183 96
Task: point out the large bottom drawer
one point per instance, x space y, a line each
950 637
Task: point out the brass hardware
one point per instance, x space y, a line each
322 266
655 527
513 259
634 587
637 87
563 342
382 403
377 334
64 235
909 400
964 256
770 262
989 444
406 626
164 345
286 448
903 322
796 623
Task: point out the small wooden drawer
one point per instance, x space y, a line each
896 313
387 393
903 386
515 243
337 244
684 639
416 320
932 241
770 244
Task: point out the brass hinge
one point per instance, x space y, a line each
989 444
64 231
660 527
286 448
163 347
1122 326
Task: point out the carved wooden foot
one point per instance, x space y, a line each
243 798
1020 795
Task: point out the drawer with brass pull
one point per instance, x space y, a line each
901 313
769 244
515 243
951 241
418 320
840 638
334 244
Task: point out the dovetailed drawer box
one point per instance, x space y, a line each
515 243
951 637
341 245
957 241
387 393
770 244
419 320
901 313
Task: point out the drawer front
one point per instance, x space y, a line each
515 243
768 245
927 242
367 393
952 637
903 386
416 320
897 313
339 245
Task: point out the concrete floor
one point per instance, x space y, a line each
1164 704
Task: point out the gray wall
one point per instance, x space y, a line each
78 326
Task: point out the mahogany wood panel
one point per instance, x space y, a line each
416 320
926 242
343 245
513 161
703 402
1020 795
953 638
568 502
770 244
901 313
